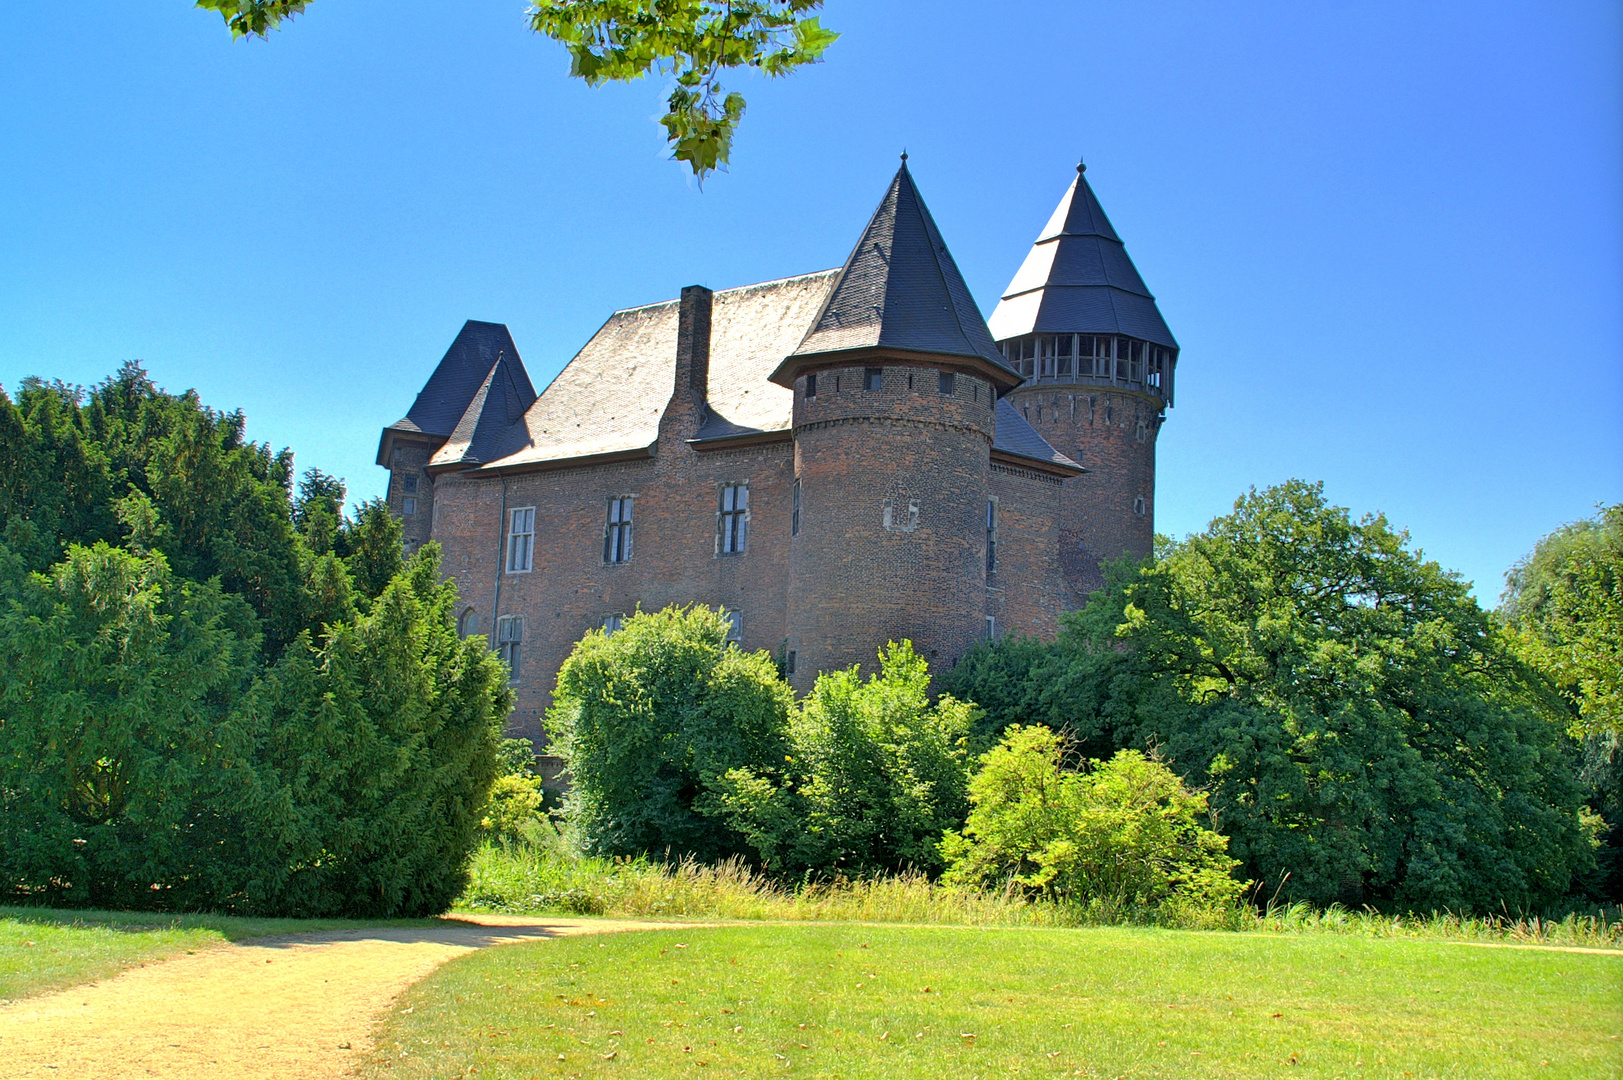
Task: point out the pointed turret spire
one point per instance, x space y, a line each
1078 279
901 291
489 429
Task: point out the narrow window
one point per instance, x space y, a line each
509 643
735 626
617 531
811 385
468 624
991 628
408 506
836 384
612 623
991 537
794 508
873 378
733 518
1138 506
1065 341
949 381
408 484
789 663
520 540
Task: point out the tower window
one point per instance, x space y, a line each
613 622
408 484
510 642
1138 506
794 508
520 539
949 382
789 663
811 385
735 626
408 505
732 519
991 628
617 531
991 537
873 378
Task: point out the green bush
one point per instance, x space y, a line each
874 775
1126 835
650 719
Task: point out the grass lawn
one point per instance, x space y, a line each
43 949
845 1000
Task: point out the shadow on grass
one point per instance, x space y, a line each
230 927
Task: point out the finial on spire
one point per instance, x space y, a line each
904 155
1081 166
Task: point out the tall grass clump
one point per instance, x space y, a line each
540 874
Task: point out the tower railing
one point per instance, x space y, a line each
1093 360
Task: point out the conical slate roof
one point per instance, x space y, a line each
489 429
463 370
1078 279
900 289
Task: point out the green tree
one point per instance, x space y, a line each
1564 606
691 41
651 718
875 774
373 541
1359 720
1126 834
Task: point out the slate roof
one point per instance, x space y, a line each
609 398
460 374
1016 436
1078 279
489 428
901 289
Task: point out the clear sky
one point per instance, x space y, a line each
1388 236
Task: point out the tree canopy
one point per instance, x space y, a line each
692 41
1366 733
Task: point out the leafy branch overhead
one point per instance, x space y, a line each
692 41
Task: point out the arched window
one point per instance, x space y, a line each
468 624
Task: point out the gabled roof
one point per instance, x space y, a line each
900 289
1016 437
489 428
609 398
1077 279
463 370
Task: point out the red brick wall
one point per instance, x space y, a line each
854 583
409 460
1112 433
1026 591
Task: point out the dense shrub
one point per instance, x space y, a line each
875 774
1125 835
1358 718
651 718
213 694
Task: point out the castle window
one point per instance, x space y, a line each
408 506
794 508
949 381
613 623
991 628
1138 506
520 540
735 626
732 519
811 385
509 643
991 537
617 531
1062 353
467 624
408 484
789 663
873 378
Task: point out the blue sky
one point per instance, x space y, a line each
1389 237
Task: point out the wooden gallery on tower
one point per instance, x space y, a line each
838 459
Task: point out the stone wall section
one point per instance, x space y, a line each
409 479
1109 510
1026 591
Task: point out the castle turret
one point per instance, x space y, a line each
1096 362
895 392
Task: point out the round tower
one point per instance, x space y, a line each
895 393
1096 363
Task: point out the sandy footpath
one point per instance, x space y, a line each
288 1008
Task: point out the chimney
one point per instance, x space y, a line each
693 342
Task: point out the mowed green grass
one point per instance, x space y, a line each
44 949
843 1000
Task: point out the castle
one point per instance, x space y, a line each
837 459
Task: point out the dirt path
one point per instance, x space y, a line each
293 1008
